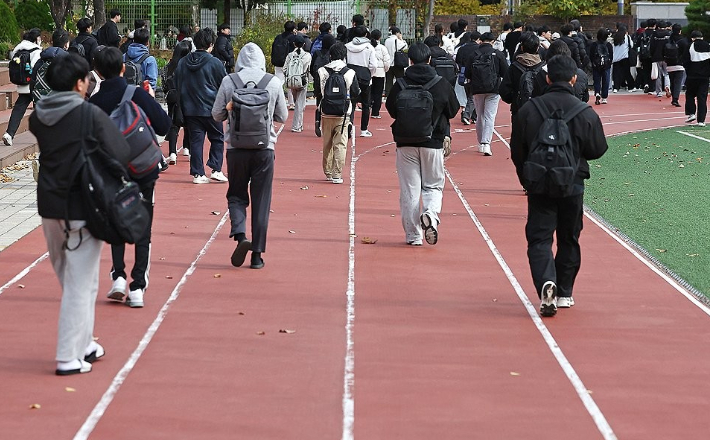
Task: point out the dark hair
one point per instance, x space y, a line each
651 22
289 27
462 23
558 47
438 29
576 24
84 23
64 72
338 51
643 24
394 30
301 25
419 53
529 42
222 27
108 62
358 19
374 36
141 36
181 49
474 35
529 28
696 34
602 35
432 41
561 68
137 24
661 24
186 31
327 42
114 12
340 30
676 28
324 27
204 38
565 29
60 38
453 27
543 29
508 26
620 35
518 24
32 35
360 31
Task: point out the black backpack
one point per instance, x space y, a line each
602 58
20 67
134 74
446 68
643 42
415 105
78 47
671 52
553 160
279 50
336 95
526 84
482 73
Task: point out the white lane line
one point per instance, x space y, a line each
349 369
120 377
591 406
23 272
694 136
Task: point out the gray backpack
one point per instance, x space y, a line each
250 121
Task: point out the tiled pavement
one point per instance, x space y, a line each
18 205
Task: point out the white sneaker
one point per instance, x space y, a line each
135 298
486 150
701 124
365 134
200 179
633 90
185 151
615 91
172 160
218 176
118 289
565 302
548 299
690 118
603 100
297 130
7 139
94 352
337 180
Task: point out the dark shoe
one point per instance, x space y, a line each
256 262
465 121
675 104
646 88
431 235
598 99
548 299
318 132
83 367
240 253
163 165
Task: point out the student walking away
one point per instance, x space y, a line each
350 33
441 61
85 43
487 68
555 183
223 49
659 43
109 64
643 43
566 36
419 135
23 58
108 34
75 254
697 69
362 59
544 34
580 87
320 58
39 86
583 43
302 30
324 29
602 53
296 69
340 33
141 66
512 40
282 45
378 78
397 48
130 38
172 99
251 100
624 57
197 79
338 88
675 51
469 45
518 84
186 35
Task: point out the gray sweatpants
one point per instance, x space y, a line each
486 108
78 273
421 177
299 98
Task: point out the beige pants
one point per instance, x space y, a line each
335 145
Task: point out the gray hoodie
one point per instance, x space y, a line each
251 66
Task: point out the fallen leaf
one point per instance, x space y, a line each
513 373
368 240
495 299
392 215
304 187
261 333
21 286
69 389
271 211
287 331
693 255
162 258
661 250
218 275
35 406
169 277
216 213
681 166
590 392
322 196
292 232
241 313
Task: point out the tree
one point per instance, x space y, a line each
99 13
34 14
9 31
697 17
569 8
60 9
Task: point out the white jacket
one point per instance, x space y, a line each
393 44
383 60
34 57
361 53
349 78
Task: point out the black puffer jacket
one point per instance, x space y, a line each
224 51
574 48
586 129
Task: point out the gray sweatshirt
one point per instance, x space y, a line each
251 66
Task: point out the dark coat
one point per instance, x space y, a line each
446 105
500 60
582 45
197 79
90 44
698 69
658 40
108 34
574 48
595 47
224 51
510 86
586 128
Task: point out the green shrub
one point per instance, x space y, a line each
5 49
9 31
33 14
262 33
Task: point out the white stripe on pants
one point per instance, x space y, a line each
421 176
78 273
299 98
279 73
486 109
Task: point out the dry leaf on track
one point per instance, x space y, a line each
368 240
261 333
287 331
69 389
217 275
35 406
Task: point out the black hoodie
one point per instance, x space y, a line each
658 40
446 105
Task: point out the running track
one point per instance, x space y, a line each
390 342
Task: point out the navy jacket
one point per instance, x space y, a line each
197 79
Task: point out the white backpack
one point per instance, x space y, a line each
297 72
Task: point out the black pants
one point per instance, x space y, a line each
696 89
141 265
251 172
175 129
378 86
643 78
676 84
18 111
363 99
562 217
622 75
391 76
319 98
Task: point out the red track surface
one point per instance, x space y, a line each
442 345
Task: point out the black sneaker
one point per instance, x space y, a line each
465 121
431 234
163 165
548 299
646 88
240 252
256 261
318 132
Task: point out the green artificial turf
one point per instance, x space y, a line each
654 186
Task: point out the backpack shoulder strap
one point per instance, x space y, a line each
236 80
264 81
574 111
541 107
143 58
519 67
128 94
431 83
402 84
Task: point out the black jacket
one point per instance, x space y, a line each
90 44
500 60
581 87
658 40
197 79
595 47
574 48
683 46
510 86
446 105
586 128
108 34
464 54
582 46
511 42
224 51
697 64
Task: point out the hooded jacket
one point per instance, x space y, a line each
697 64
683 47
581 86
582 45
393 43
446 105
658 40
574 48
362 59
54 123
383 60
149 66
586 129
501 63
197 78
510 86
34 57
251 66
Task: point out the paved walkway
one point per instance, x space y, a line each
18 204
